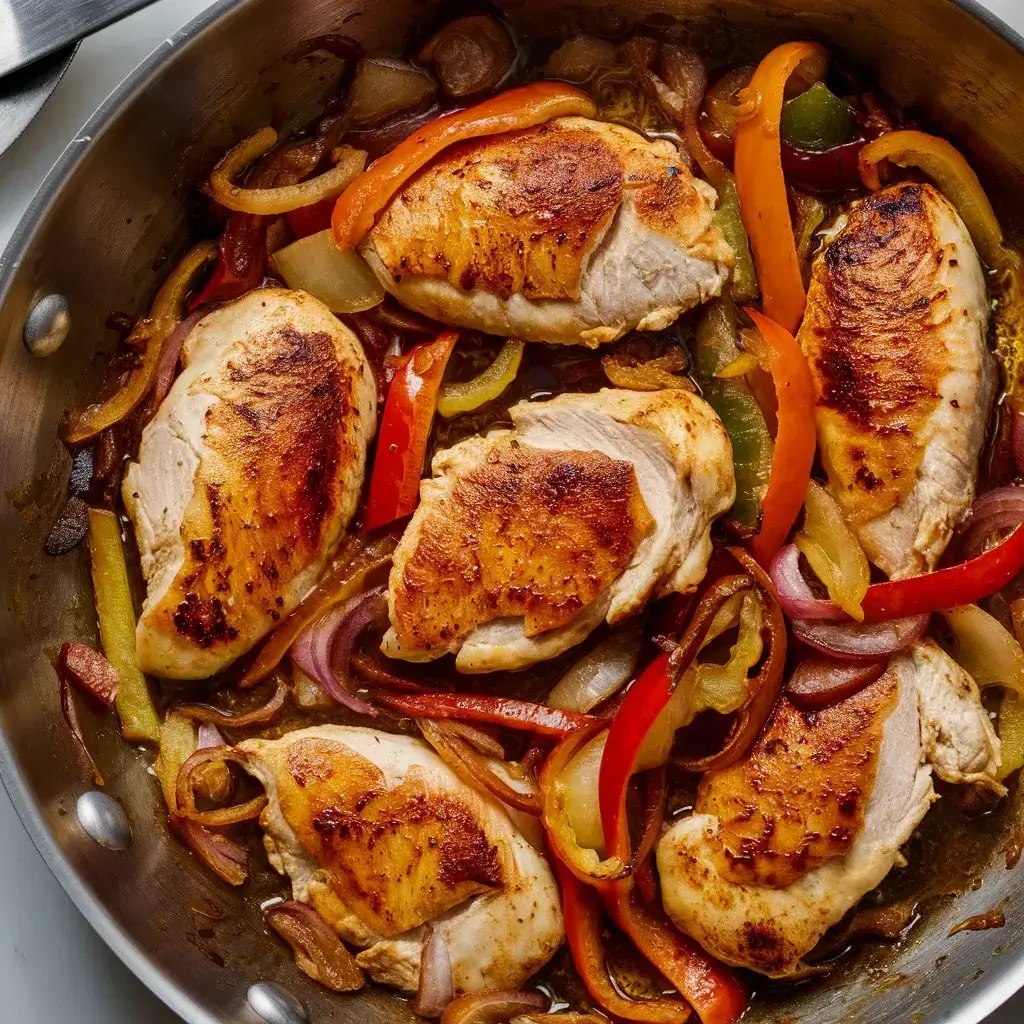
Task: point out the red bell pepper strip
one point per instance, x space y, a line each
404 432
474 707
312 219
583 928
762 186
514 109
947 588
795 442
241 260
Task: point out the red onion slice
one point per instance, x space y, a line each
854 641
995 512
1017 440
495 1005
436 988
795 596
169 355
323 650
209 736
820 682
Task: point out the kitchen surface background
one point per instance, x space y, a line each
53 968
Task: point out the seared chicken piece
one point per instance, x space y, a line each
526 539
380 837
895 335
246 477
784 843
575 231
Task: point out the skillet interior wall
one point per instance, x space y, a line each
102 241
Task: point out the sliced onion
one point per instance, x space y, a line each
820 682
224 857
995 512
317 948
258 716
382 88
185 797
341 280
1017 440
601 673
323 650
580 57
436 987
167 368
855 641
89 670
213 781
493 1007
794 594
271 201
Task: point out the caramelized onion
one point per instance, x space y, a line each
855 641
268 201
89 670
224 857
888 922
821 682
318 951
794 594
436 988
995 512
601 673
580 57
258 716
169 355
324 649
655 792
470 55
494 1006
473 767
382 88
185 797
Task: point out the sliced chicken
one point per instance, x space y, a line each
526 539
575 232
246 477
895 333
380 837
784 843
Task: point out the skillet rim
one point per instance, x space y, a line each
987 997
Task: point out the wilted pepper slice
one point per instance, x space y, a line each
817 120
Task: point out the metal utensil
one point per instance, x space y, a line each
23 92
32 29
99 234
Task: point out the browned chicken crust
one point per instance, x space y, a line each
522 212
873 334
529 532
397 857
799 797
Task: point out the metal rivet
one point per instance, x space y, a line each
276 1005
47 325
104 820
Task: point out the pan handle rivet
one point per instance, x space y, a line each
276 1005
47 325
103 820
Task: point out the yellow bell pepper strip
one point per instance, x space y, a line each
485 387
515 109
955 178
116 614
762 186
833 552
156 328
405 432
795 442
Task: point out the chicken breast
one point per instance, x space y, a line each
380 837
526 539
574 231
895 334
783 844
246 477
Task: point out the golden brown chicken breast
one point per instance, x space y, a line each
782 844
895 336
525 540
380 837
246 477
575 231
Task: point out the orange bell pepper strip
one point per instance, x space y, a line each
583 928
524 107
795 442
405 431
761 185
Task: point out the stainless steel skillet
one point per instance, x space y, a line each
97 234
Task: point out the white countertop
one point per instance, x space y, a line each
53 968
